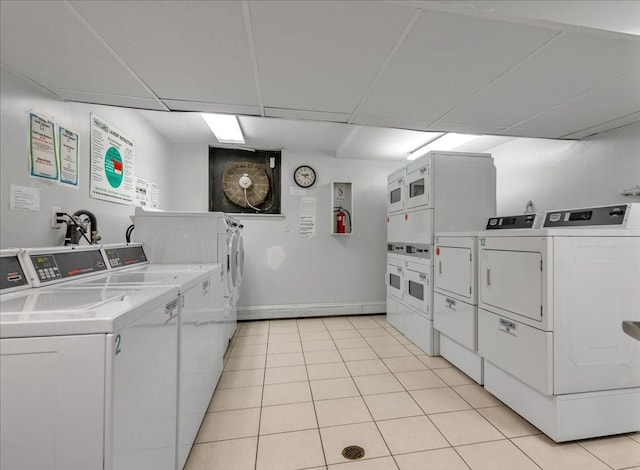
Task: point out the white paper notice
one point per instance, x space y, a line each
111 163
307 217
42 149
155 195
143 193
24 198
69 157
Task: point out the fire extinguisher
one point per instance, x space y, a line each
341 215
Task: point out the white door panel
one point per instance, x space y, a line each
454 270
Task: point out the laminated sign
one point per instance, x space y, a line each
111 163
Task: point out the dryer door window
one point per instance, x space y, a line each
395 200
418 187
418 288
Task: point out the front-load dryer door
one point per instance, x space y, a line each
512 279
233 258
454 270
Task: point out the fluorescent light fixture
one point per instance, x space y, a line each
444 142
225 127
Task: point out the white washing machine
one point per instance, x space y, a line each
192 237
551 304
88 376
201 338
409 294
455 305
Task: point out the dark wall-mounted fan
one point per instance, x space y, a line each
244 182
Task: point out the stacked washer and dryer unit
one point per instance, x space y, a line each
551 306
441 191
197 237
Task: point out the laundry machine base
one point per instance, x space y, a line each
567 417
466 360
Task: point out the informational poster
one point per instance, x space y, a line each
112 160
24 198
307 217
42 148
69 151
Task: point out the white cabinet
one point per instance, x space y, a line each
52 402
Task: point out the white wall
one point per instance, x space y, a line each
556 174
290 275
30 229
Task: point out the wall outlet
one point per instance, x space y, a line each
54 217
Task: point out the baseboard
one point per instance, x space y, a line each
263 312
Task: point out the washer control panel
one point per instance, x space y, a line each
121 256
59 264
514 221
12 276
593 216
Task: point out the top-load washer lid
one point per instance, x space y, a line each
12 273
147 276
74 311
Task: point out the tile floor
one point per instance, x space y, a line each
294 393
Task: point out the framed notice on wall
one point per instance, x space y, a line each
43 162
112 159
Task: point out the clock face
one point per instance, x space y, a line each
304 176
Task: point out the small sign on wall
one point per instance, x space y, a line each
43 162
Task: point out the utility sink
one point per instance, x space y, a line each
632 328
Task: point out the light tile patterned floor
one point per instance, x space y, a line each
296 392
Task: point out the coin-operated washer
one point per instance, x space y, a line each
455 305
88 376
194 237
201 327
552 302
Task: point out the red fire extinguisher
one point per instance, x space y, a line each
341 215
340 227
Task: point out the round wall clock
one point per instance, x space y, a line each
304 176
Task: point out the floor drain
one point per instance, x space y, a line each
353 452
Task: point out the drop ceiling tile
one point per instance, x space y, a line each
445 59
478 128
615 99
607 126
111 100
187 50
47 43
571 65
531 132
198 106
307 115
393 122
323 56
374 143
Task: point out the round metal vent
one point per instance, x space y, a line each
256 192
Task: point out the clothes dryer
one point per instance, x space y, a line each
455 307
551 304
88 375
